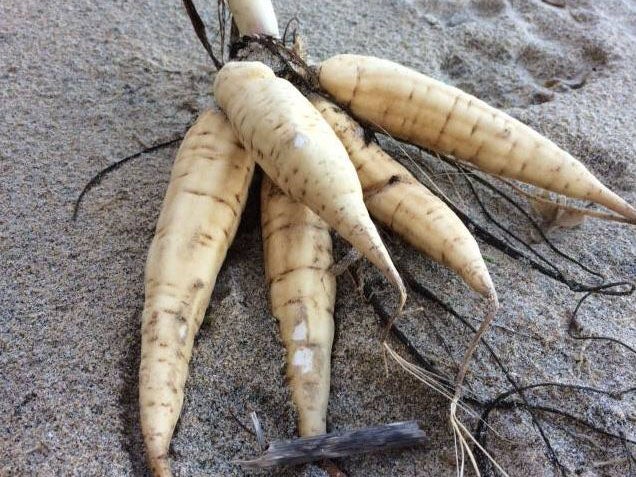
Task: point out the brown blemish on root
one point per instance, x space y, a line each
213 197
355 86
448 117
395 211
281 275
475 126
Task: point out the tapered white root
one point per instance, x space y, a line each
431 114
298 260
199 217
301 154
400 202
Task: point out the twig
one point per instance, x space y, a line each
310 449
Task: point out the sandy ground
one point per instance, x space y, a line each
84 83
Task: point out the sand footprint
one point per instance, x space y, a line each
541 55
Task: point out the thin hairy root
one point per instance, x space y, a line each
430 379
97 178
570 208
463 436
460 433
342 265
493 305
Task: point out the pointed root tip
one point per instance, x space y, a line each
630 213
394 277
398 310
494 300
483 284
157 454
619 205
160 466
626 210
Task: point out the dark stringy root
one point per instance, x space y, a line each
97 178
501 401
543 264
574 327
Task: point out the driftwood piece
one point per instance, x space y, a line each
328 446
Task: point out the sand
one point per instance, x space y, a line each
83 84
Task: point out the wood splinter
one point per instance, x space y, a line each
396 435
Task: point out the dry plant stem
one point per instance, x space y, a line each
298 150
403 204
254 17
199 29
199 217
297 248
310 449
431 114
